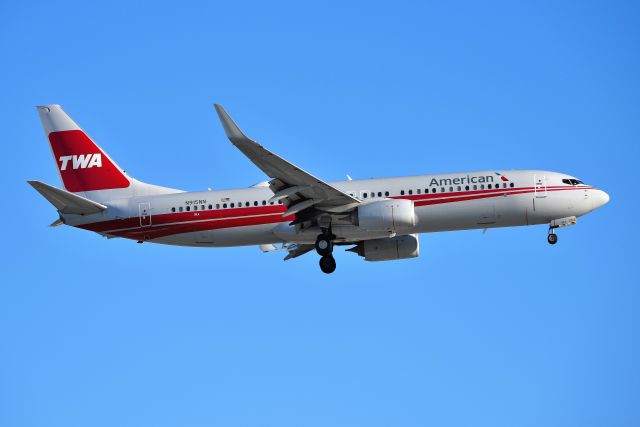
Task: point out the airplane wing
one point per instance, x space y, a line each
65 201
295 250
299 190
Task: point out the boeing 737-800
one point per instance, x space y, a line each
379 218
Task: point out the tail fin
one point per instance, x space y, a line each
82 164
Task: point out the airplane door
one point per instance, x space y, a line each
540 186
145 214
487 214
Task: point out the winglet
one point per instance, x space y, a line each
230 128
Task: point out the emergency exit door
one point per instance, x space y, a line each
145 214
540 186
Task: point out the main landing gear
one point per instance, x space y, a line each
552 237
324 247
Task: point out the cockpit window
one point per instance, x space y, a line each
572 181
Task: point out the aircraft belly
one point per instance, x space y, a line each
499 211
234 236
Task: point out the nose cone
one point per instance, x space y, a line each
599 199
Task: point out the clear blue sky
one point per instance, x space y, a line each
482 330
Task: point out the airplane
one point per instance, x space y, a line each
380 219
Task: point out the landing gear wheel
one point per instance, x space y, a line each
324 245
327 264
552 238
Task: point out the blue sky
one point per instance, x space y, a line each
493 330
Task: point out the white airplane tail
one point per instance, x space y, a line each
83 166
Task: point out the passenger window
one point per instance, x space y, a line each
232 205
442 190
264 202
482 186
217 205
402 192
379 193
195 207
466 187
224 206
418 191
386 193
188 208
475 187
364 195
511 185
459 188
255 203
180 208
504 185
451 189
373 194
210 207
433 190
410 191
271 203
173 209
489 186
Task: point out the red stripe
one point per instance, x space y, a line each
170 229
170 218
184 222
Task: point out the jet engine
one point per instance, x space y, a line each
392 248
388 214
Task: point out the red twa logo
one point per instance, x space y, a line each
83 161
83 166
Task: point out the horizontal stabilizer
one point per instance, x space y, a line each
66 202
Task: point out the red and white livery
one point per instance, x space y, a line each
380 219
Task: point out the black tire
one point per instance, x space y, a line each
324 245
552 239
327 264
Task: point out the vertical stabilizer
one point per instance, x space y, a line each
83 166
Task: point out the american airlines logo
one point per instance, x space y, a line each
469 179
81 161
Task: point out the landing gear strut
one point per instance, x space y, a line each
324 247
552 237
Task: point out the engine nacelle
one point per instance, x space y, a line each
399 247
387 214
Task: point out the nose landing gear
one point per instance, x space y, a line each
552 237
324 247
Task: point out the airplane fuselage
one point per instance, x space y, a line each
443 202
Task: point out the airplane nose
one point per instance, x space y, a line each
600 198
